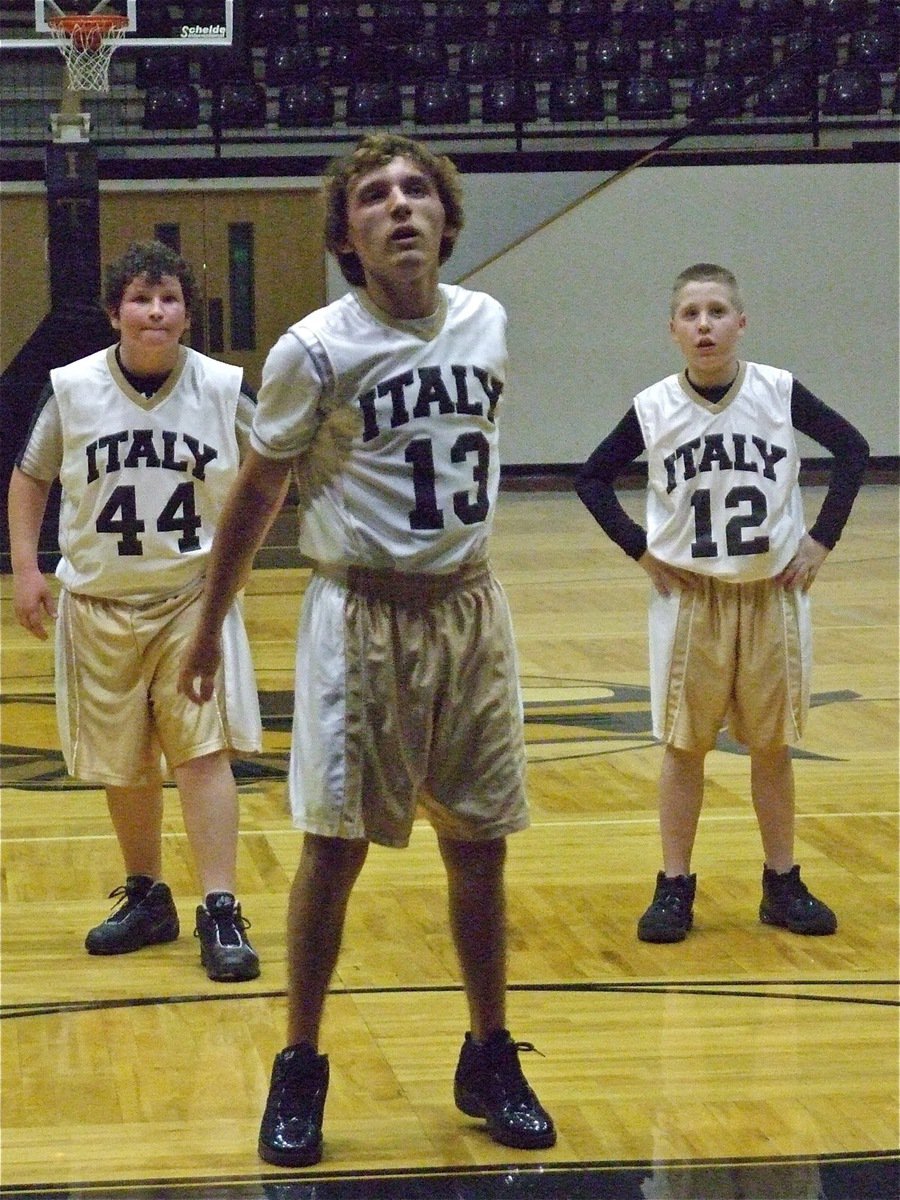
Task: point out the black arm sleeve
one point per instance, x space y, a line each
850 451
594 485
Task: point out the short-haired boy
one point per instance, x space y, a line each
731 565
146 439
385 403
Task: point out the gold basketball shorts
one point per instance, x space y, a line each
117 703
407 695
733 655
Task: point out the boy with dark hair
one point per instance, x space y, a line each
149 261
385 403
731 565
146 438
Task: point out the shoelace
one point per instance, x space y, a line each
230 925
792 888
123 897
524 1047
508 1068
298 1090
798 893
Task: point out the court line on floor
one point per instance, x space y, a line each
588 822
542 1179
747 989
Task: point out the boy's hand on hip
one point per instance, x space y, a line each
803 568
666 579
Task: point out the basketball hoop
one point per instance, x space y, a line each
87 44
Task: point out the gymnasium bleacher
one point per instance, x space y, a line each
498 77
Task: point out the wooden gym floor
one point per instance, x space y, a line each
744 1062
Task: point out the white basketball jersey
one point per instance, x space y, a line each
395 422
143 481
723 496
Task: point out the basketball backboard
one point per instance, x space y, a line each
25 25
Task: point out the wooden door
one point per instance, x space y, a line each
259 256
24 277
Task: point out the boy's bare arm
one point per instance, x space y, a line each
250 509
32 599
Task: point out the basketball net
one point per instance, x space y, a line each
87 44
